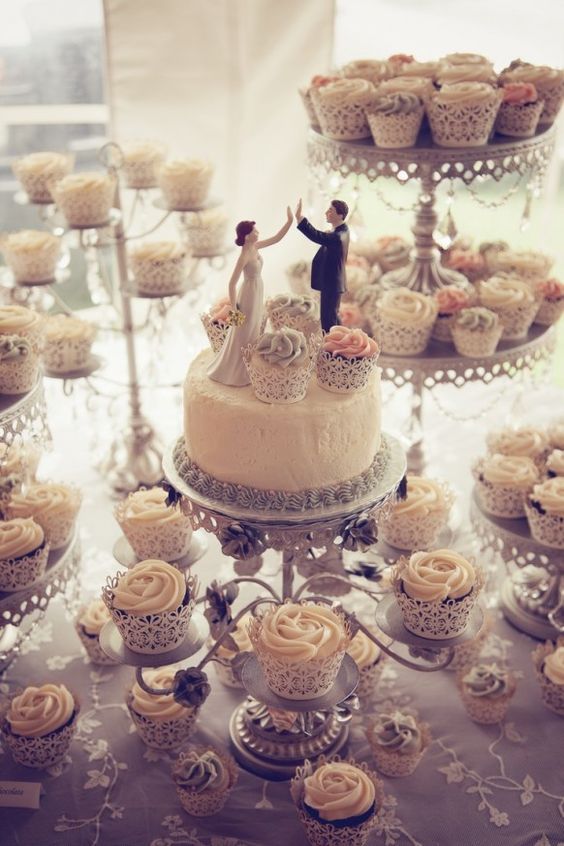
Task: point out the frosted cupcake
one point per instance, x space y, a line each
486 691
40 724
340 107
502 483
279 366
159 267
544 508
513 301
454 74
395 119
297 311
397 61
204 778
551 293
23 553
436 592
530 265
185 183
358 273
161 721
520 110
370 661
153 528
54 506
428 70
347 360
206 230
317 81
468 262
89 622
23 322
528 441
392 252
462 114
372 70
548 660
421 86
548 82
351 317
404 321
417 521
227 652
68 343
37 171
216 322
555 463
398 741
300 647
475 59
85 199
19 365
476 331
450 301
151 604
141 163
32 255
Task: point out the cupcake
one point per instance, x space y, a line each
206 230
337 801
185 183
460 73
370 661
340 107
141 163
502 483
300 647
530 265
551 293
68 343
89 622
298 275
347 360
417 521
490 252
398 741
54 506
436 592
476 331
159 268
358 273
317 81
395 119
475 59
85 199
462 114
468 653
548 660
23 553
544 508
397 62
37 171
555 463
161 721
216 322
548 82
520 110
32 256
528 441
296 311
404 321
226 652
486 691
513 301
204 778
153 528
450 301
39 725
19 365
151 604
392 252
470 263
421 86
23 322
279 366
428 70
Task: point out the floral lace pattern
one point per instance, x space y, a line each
464 125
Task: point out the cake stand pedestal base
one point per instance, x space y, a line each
514 607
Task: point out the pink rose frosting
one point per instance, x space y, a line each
350 316
401 59
354 260
319 81
350 343
465 260
451 299
551 289
519 93
220 310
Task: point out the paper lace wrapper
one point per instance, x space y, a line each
486 710
93 648
392 763
18 375
552 694
187 193
499 500
31 267
207 238
21 572
151 634
62 355
216 332
341 375
342 121
88 208
369 678
158 277
143 173
41 752
36 185
326 833
163 734
395 130
553 95
58 528
307 100
549 312
547 529
442 328
278 385
475 344
308 325
209 802
463 125
517 321
400 338
412 531
519 121
167 541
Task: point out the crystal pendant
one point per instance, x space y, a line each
446 232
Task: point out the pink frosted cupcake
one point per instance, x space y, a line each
503 482
216 322
520 110
350 316
486 691
548 660
346 361
398 742
450 300
161 721
549 83
551 292
470 263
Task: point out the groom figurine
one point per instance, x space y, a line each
328 272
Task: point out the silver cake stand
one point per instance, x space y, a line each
25 415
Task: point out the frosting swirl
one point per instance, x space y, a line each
149 506
551 289
465 93
338 791
138 152
372 70
465 59
465 260
40 710
159 707
43 163
555 462
94 617
519 93
399 732
158 251
346 92
396 103
18 537
424 496
437 575
525 263
363 651
150 587
527 441
69 328
421 86
199 771
294 305
295 633
15 319
31 241
550 496
284 347
43 499
85 182
477 319
514 471
553 666
349 343
486 680
406 306
505 292
427 69
451 299
182 168
525 72
451 74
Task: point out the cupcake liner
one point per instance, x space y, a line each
410 531
279 385
499 500
547 529
207 238
307 100
516 321
518 121
21 572
167 541
63 355
216 332
18 375
549 312
486 710
59 528
88 208
370 677
163 734
143 173
552 694
395 130
187 193
37 185
401 339
392 763
462 125
92 646
442 328
342 121
31 267
209 802
341 375
553 95
41 752
164 276
475 344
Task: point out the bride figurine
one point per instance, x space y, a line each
228 366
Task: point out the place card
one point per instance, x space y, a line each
19 794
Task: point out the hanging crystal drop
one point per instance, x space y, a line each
526 215
447 232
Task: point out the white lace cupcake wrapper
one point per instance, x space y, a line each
518 121
411 531
462 125
343 121
163 734
36 185
484 710
40 752
475 344
185 194
19 573
516 321
142 174
216 332
341 375
58 528
547 529
499 500
93 648
395 130
467 654
369 678
401 339
82 210
206 238
160 277
19 375
549 312
64 354
309 106
395 765
33 267
553 95
167 541
278 385
209 802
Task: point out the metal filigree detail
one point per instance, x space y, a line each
241 541
399 338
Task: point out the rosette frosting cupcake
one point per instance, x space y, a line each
513 301
398 742
370 661
153 528
23 553
436 591
279 365
22 322
476 59
159 267
54 506
476 331
404 321
19 365
551 293
555 463
549 83
470 263
161 721
185 183
520 110
296 311
416 521
372 70
317 81
395 118
347 360
85 199
141 163
486 691
454 74
38 171
340 107
544 508
462 114
32 255
68 343
529 265
204 778
205 231
450 301
528 441
39 725
421 86
428 70
548 660
88 623
350 316
502 483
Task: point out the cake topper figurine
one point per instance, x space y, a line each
328 268
247 303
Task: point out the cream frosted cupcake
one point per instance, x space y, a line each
317 81
206 230
54 506
486 691
32 255
153 528
340 107
476 331
555 463
392 252
22 322
185 183
23 553
347 360
450 301
395 118
227 652
520 110
549 83
68 343
428 70
398 741
19 365
544 508
462 114
475 59
88 624
551 293
530 265
300 647
548 660
502 483
161 721
513 301
86 198
37 172
141 163
216 322
39 725
370 661
528 441
204 778
159 267
454 74
404 321
151 605
436 591
279 365
296 311
421 86
416 521
371 70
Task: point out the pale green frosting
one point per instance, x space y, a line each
283 347
199 772
400 103
486 680
477 318
294 305
398 732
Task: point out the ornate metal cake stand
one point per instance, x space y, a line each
25 416
532 595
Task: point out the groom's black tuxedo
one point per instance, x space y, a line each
328 271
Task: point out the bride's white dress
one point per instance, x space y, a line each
228 366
